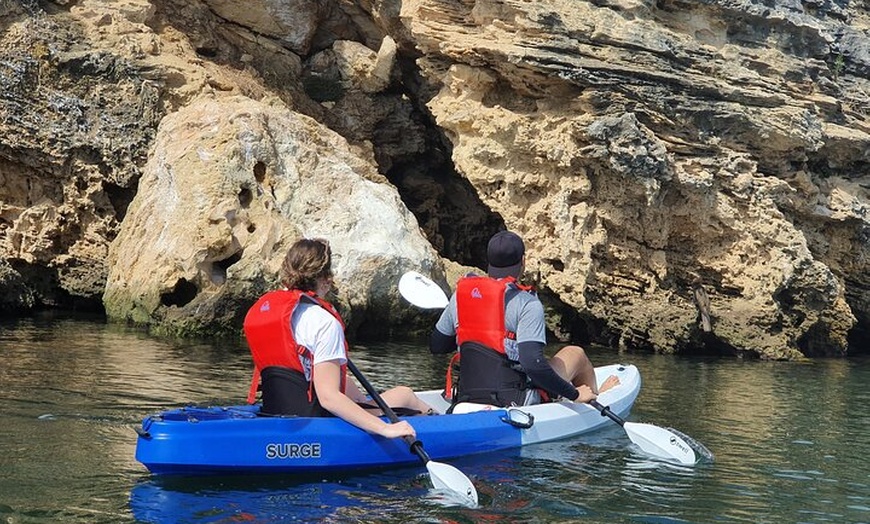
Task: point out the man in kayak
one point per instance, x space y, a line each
499 327
300 352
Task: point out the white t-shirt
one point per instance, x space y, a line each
320 332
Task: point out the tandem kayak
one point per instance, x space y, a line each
218 440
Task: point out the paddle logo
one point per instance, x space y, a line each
286 450
678 444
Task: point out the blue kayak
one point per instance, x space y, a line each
238 440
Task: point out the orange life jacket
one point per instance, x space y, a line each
270 337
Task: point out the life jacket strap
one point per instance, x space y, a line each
448 382
255 385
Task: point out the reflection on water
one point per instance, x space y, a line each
264 499
790 441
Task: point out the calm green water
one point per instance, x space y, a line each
790 441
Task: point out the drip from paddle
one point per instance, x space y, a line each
443 476
422 292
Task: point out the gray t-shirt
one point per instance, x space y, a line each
524 315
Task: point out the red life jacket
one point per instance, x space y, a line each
480 311
487 374
270 337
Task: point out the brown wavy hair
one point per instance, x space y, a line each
307 260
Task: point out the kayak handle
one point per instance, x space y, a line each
523 421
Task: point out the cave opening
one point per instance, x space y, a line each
451 215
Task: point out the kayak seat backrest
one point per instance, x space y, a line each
287 392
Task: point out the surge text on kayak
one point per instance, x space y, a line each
292 450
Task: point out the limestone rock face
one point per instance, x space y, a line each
641 147
229 186
686 174
75 123
292 23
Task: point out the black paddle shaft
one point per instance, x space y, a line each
605 412
416 445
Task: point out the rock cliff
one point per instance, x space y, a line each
688 176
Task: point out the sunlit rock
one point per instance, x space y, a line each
641 147
230 185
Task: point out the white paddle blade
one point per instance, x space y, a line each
420 291
446 477
660 442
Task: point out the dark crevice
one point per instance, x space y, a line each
448 210
709 344
207 52
182 294
570 325
556 264
816 342
260 172
859 340
245 197
36 289
451 214
219 271
229 261
120 198
78 304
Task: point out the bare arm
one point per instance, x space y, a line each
327 377
354 393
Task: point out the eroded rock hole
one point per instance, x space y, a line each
260 172
220 267
207 52
245 197
120 198
181 295
556 264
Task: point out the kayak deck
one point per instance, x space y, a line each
236 439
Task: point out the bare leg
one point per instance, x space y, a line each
404 397
572 364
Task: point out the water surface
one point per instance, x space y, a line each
790 441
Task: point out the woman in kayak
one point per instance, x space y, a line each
300 353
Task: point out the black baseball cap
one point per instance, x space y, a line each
504 254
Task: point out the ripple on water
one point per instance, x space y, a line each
790 442
799 475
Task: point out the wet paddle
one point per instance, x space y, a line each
444 476
651 439
422 292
